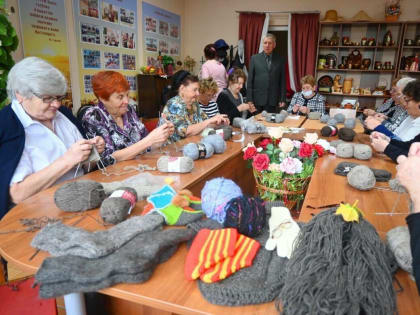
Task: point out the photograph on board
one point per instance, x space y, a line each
151 44
111 60
109 12
150 24
111 37
128 40
129 62
87 80
89 8
163 46
90 33
174 31
163 28
91 59
126 17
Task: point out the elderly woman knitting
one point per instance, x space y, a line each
41 142
114 119
185 113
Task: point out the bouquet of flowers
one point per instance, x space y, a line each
283 167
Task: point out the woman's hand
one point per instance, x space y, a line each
99 143
219 119
78 152
379 144
243 107
371 122
295 108
380 117
369 112
161 133
379 135
303 109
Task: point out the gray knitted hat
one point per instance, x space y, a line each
259 283
132 263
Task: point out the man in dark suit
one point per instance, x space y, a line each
266 89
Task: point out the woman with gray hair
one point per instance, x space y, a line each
40 143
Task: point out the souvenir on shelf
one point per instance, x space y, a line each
371 42
392 10
331 61
365 91
378 65
325 83
355 59
325 42
322 61
335 40
346 41
365 63
388 39
418 40
364 41
337 87
347 85
409 42
415 63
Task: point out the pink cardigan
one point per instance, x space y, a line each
213 68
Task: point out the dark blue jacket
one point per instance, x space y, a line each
413 222
12 142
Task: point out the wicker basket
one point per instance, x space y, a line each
290 198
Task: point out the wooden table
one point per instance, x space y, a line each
317 125
327 188
292 121
167 290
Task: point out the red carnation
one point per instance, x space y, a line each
264 142
249 153
305 150
260 162
319 149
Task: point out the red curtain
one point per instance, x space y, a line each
250 28
304 34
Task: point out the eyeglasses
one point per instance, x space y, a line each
407 98
50 99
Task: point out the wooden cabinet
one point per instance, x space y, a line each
150 88
378 43
410 50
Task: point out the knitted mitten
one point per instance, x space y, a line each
59 239
283 232
246 249
132 263
208 248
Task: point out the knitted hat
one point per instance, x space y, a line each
259 283
344 168
247 214
346 134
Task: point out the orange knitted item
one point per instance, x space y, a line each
245 251
208 248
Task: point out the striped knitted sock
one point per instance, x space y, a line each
246 249
208 248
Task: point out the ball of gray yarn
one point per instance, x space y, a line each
191 150
324 118
217 142
350 123
362 151
395 185
237 122
264 113
280 118
345 150
253 128
284 112
335 143
332 122
79 195
186 164
268 118
227 132
399 242
115 209
339 118
314 115
361 177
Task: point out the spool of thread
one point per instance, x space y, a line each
237 122
225 131
350 123
332 122
339 118
314 115
79 195
346 134
199 150
118 205
362 151
328 131
208 131
324 118
215 195
280 118
217 142
170 164
247 214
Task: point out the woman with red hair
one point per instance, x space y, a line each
115 120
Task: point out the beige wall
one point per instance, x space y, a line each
208 21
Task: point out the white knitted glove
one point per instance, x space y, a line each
283 232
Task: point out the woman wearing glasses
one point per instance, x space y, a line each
115 120
41 143
409 129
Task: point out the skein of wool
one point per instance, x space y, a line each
324 118
338 267
280 118
350 123
332 122
314 115
237 122
79 195
198 150
264 113
361 177
225 131
246 214
171 164
345 150
339 118
362 151
215 195
208 131
118 206
346 134
217 142
284 112
328 131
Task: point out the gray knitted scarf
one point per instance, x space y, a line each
338 268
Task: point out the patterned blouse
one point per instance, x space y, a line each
315 104
176 112
98 122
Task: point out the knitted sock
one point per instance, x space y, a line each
162 198
59 239
208 248
133 262
245 250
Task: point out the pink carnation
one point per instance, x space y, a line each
291 166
